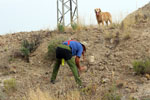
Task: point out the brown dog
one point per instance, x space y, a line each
103 16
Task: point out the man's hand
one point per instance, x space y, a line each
83 68
80 68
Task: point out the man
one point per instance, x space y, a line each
66 51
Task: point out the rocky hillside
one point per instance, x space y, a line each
109 57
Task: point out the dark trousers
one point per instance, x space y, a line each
70 62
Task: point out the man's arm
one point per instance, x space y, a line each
80 68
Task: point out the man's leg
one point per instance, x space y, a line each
74 70
55 70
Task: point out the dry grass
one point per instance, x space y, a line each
10 85
108 35
126 35
39 95
43 95
81 23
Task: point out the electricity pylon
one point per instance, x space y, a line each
67 9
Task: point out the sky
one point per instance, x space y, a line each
32 15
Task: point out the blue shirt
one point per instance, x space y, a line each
75 46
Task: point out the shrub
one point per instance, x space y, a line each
52 47
26 48
10 85
142 67
61 28
74 26
29 47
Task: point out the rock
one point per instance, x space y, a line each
127 90
105 80
130 67
120 83
13 70
143 79
91 59
147 76
132 88
107 54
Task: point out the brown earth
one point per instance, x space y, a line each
113 48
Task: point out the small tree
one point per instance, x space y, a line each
28 47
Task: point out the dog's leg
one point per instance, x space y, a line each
99 25
107 23
103 23
110 20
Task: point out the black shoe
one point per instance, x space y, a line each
52 81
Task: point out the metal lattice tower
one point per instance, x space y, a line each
67 9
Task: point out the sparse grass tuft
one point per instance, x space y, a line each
114 25
44 95
89 90
74 26
73 95
10 85
108 36
3 96
112 94
81 24
126 35
124 25
142 67
147 99
132 98
39 95
61 28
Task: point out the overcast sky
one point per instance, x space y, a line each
30 15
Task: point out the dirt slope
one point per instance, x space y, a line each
113 57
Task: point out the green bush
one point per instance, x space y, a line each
52 47
142 67
74 26
10 85
28 47
61 28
